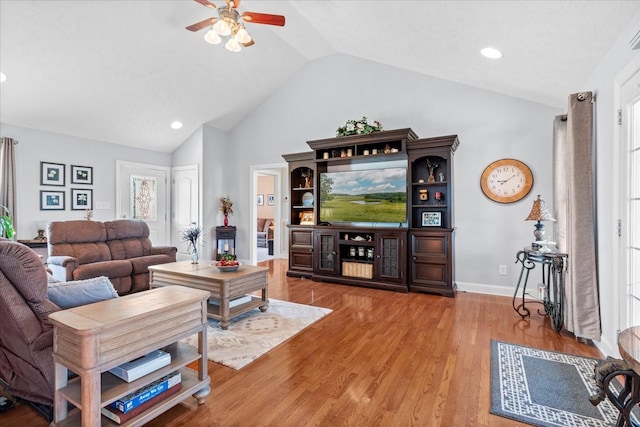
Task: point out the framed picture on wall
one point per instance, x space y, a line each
81 199
271 199
81 174
51 174
51 200
260 199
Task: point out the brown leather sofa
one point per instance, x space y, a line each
26 336
120 250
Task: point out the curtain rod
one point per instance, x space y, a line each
15 142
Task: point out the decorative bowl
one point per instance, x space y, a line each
227 268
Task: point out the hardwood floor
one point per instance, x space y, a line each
380 359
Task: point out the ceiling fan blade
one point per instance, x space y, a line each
250 43
202 24
233 3
207 3
263 18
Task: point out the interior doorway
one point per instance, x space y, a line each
267 199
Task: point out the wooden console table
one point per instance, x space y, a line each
551 296
91 339
223 286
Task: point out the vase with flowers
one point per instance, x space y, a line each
191 235
226 209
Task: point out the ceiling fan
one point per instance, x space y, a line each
230 23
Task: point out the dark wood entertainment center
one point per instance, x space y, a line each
416 255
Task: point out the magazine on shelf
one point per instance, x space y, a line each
141 366
148 392
233 302
120 417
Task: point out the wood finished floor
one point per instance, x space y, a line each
380 359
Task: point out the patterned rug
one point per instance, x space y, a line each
544 388
252 334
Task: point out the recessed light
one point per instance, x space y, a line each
3 77
491 52
176 125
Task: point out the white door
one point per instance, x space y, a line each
629 222
185 204
142 193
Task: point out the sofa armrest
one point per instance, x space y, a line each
62 267
164 250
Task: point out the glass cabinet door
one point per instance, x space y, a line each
326 253
390 258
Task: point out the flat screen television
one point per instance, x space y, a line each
373 194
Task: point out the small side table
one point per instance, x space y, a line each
551 291
226 241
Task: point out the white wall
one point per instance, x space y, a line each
36 146
601 82
490 126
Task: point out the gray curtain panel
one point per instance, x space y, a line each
8 177
574 200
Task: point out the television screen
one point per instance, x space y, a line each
374 196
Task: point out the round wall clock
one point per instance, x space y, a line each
506 181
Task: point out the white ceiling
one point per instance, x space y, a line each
122 71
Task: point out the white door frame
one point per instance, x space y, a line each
123 163
274 170
620 291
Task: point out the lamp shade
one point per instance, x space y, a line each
539 211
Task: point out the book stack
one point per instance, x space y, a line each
141 366
122 410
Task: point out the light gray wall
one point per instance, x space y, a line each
601 82
491 126
219 179
36 146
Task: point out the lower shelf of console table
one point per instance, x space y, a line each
89 340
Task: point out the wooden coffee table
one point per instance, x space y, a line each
223 286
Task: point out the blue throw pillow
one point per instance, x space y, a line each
80 292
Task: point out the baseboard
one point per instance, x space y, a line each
480 288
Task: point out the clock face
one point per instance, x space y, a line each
506 181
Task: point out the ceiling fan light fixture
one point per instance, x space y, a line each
242 36
222 27
212 37
233 46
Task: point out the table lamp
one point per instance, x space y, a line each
539 212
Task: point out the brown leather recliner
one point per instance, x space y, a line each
26 336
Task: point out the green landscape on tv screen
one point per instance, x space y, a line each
370 196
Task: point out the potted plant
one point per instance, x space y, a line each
6 223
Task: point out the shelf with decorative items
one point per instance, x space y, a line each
363 148
431 217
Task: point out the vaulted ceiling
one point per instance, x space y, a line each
122 71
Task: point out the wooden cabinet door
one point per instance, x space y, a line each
300 251
431 269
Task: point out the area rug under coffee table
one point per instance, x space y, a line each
545 388
252 334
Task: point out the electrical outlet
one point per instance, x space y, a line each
502 270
